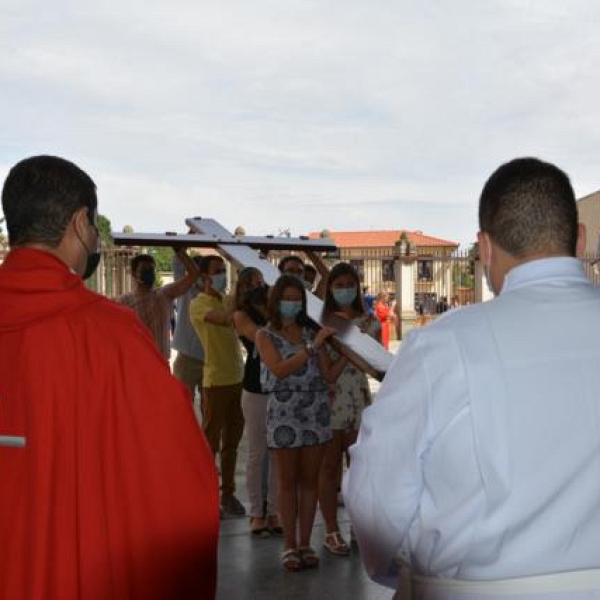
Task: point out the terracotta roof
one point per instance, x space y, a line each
378 239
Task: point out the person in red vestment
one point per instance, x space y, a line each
384 314
108 488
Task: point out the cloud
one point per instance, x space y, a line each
301 114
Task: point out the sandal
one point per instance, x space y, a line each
309 557
273 525
335 543
260 530
291 560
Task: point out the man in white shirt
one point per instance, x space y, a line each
477 470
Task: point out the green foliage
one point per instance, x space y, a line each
163 256
463 274
104 228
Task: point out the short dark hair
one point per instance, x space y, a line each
286 259
40 196
243 285
343 268
528 206
204 262
137 260
275 295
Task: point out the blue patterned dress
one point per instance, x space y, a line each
298 406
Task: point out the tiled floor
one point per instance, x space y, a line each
250 568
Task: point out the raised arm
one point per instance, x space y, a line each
181 286
323 271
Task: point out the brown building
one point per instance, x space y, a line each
372 253
589 214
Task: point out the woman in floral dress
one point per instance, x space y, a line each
295 372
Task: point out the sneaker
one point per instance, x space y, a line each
231 505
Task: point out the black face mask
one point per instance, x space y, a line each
257 296
148 277
93 259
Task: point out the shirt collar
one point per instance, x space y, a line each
544 269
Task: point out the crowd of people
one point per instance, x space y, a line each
473 474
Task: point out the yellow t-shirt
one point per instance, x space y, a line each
222 356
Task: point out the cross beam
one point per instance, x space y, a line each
361 349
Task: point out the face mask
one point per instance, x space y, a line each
344 296
297 275
488 280
290 309
218 282
487 274
93 259
257 296
148 277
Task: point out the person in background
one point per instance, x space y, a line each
310 276
294 372
223 421
292 265
108 487
189 362
351 394
251 314
369 300
477 467
154 305
383 313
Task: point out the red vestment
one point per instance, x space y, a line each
115 494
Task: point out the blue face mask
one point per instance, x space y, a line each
218 282
344 296
290 309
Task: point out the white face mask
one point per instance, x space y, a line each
488 276
488 279
218 282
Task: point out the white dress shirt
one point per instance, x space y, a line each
480 458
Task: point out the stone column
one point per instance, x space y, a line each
405 272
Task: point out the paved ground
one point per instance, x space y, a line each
250 568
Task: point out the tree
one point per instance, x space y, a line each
104 228
163 257
2 236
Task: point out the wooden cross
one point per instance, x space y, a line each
361 349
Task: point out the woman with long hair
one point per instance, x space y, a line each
295 371
350 395
250 314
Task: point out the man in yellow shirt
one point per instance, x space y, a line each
223 420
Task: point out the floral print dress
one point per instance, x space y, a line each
351 394
298 408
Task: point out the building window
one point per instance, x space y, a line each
387 269
425 270
359 266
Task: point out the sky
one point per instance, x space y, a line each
301 115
